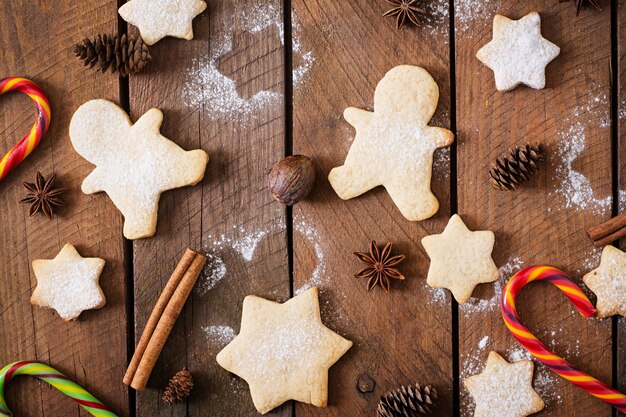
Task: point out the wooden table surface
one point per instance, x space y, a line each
259 82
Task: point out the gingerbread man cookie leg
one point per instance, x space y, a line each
394 145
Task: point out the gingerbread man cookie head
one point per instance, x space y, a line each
134 162
409 92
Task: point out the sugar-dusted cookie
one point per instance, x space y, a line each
460 259
157 19
68 283
518 54
394 145
134 163
608 282
504 389
284 351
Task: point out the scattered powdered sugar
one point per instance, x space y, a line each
622 110
475 305
437 18
518 354
597 107
574 187
468 13
437 295
205 86
483 342
592 259
214 271
245 243
319 274
220 335
441 163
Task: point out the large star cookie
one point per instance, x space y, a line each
460 259
134 163
504 389
608 282
68 283
518 54
394 145
284 351
157 19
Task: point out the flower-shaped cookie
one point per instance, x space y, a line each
394 145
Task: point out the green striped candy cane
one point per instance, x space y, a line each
57 380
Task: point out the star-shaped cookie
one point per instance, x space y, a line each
460 259
68 283
608 282
518 53
134 163
157 19
284 351
504 389
394 145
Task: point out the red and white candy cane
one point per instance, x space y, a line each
29 142
539 350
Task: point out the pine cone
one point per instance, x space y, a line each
179 388
516 167
411 401
120 54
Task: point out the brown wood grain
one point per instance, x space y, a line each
405 336
545 221
620 125
36 38
230 216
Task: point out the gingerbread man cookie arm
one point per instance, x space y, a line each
358 118
443 137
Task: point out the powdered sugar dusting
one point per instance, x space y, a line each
483 343
207 87
474 305
214 271
245 242
319 274
574 187
220 335
469 13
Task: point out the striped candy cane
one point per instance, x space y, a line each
539 350
57 380
29 142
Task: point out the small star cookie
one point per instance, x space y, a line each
504 389
608 282
394 145
460 259
68 283
134 163
157 19
284 351
518 53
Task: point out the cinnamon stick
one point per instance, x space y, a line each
608 231
183 266
166 323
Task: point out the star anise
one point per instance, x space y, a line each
380 266
406 9
42 196
580 3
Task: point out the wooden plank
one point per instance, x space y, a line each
400 338
544 222
35 41
620 71
222 92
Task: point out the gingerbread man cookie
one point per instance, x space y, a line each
134 163
394 145
68 283
284 351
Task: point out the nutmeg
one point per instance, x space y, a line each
292 179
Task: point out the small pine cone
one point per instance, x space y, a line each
179 388
126 55
518 166
411 401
